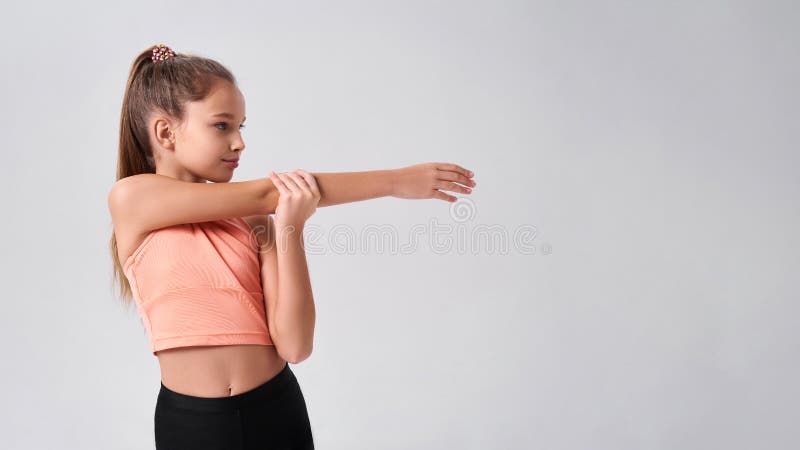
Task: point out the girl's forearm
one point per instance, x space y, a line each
344 187
295 313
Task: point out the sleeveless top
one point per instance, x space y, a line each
199 284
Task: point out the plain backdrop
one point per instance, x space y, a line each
648 151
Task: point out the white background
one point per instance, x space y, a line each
653 146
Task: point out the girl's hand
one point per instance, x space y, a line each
299 196
425 180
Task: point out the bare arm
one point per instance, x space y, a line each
345 187
290 310
426 180
294 309
290 300
149 201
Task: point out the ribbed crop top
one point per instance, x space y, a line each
199 284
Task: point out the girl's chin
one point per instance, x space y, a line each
221 178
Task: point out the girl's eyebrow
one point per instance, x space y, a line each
228 115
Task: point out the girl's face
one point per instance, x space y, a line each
209 135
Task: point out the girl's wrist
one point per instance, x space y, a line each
288 237
288 227
392 180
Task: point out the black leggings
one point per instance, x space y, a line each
270 416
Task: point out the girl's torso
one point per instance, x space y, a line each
219 370
209 371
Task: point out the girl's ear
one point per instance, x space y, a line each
164 133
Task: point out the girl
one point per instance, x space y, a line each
216 268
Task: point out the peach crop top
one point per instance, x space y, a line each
199 284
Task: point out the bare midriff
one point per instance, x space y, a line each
220 370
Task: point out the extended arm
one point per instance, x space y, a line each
345 187
149 201
424 180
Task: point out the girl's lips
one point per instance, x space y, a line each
233 164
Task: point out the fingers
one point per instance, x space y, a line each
300 182
452 187
455 168
297 181
312 182
443 196
456 176
289 182
278 182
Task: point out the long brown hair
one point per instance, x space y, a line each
166 85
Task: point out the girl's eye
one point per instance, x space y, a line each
225 125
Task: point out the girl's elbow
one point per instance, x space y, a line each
297 357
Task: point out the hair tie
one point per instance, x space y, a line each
161 53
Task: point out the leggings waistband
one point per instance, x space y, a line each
270 388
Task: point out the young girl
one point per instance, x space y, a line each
216 268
